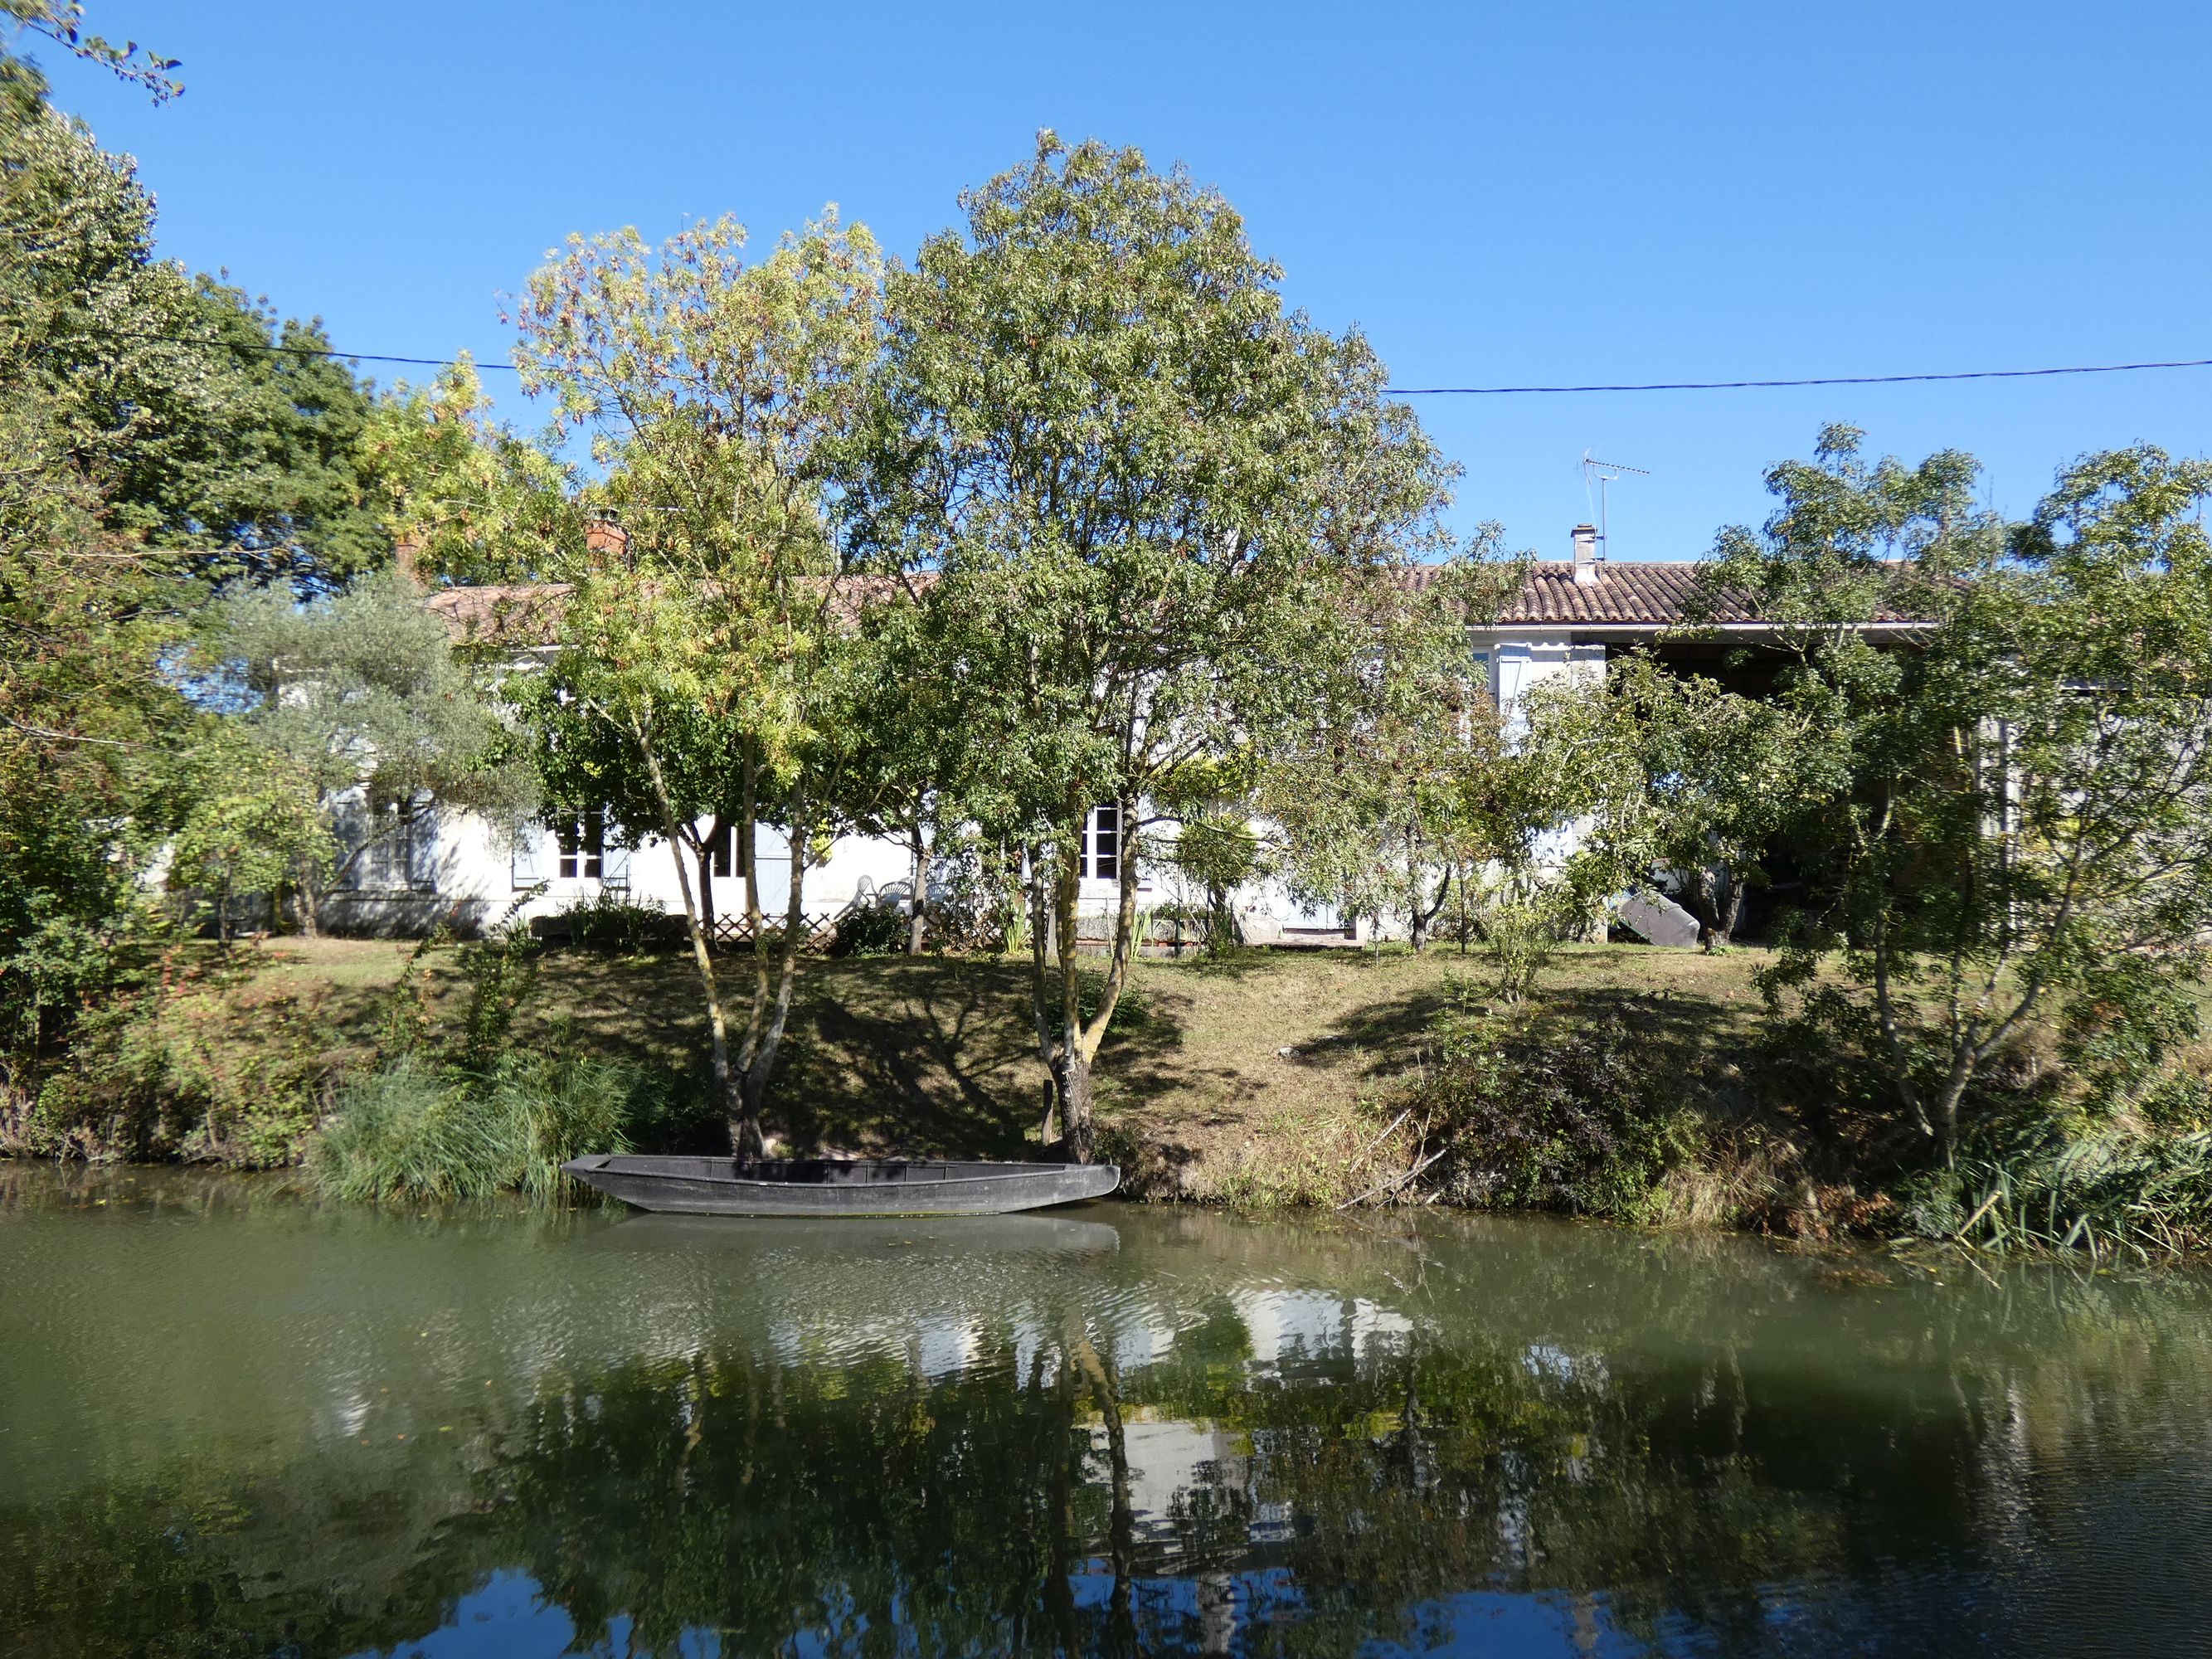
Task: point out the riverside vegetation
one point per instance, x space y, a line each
1630 1083
1074 509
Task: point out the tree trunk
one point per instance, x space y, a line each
764 1030
1071 1078
1040 909
706 860
917 933
309 920
1071 1066
1716 900
727 1085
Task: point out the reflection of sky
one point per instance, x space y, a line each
507 1617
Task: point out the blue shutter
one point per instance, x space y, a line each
423 849
528 863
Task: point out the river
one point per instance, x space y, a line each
233 1420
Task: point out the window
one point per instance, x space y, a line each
722 847
1102 849
392 850
583 842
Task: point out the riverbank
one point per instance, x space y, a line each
1634 1082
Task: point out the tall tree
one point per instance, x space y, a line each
2028 829
1142 485
710 640
361 695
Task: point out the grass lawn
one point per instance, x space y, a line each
1216 1078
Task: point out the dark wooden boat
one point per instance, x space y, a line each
840 1187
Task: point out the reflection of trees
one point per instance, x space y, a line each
960 1451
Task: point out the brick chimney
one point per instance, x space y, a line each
1585 555
407 556
604 535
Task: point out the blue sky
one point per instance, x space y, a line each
1498 194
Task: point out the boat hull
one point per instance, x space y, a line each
838 1187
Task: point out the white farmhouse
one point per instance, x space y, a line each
1569 616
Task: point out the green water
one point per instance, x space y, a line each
233 1421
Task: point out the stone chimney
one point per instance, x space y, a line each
604 536
1585 555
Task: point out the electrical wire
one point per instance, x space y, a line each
1832 379
1393 391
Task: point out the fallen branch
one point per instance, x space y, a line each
1396 1182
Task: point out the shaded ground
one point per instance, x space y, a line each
1215 1077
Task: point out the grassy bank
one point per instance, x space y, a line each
1639 1083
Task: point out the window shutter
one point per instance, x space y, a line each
529 861
422 847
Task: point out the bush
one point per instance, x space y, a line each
189 1065
410 1131
608 920
2109 1189
1574 1125
870 930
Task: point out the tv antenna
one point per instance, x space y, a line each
1603 473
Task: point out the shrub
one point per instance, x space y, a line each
608 920
1574 1125
870 930
188 1066
410 1130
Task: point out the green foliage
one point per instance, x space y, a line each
361 695
1693 783
2110 1190
608 920
2028 829
501 971
410 1132
478 501
1576 1123
867 929
251 838
191 1066
1387 786
23 88
700 669
1142 485
160 388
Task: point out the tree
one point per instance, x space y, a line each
256 833
477 501
1141 486
2029 828
361 696
23 87
90 732
1717 778
1385 793
207 443
710 644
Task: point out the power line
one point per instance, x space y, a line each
1393 392
1832 379
297 350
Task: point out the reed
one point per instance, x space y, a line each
412 1131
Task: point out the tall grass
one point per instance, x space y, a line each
412 1131
2112 1191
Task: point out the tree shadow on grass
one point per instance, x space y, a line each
927 1055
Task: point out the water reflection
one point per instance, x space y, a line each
235 1421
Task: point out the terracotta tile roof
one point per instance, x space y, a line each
524 613
1626 594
